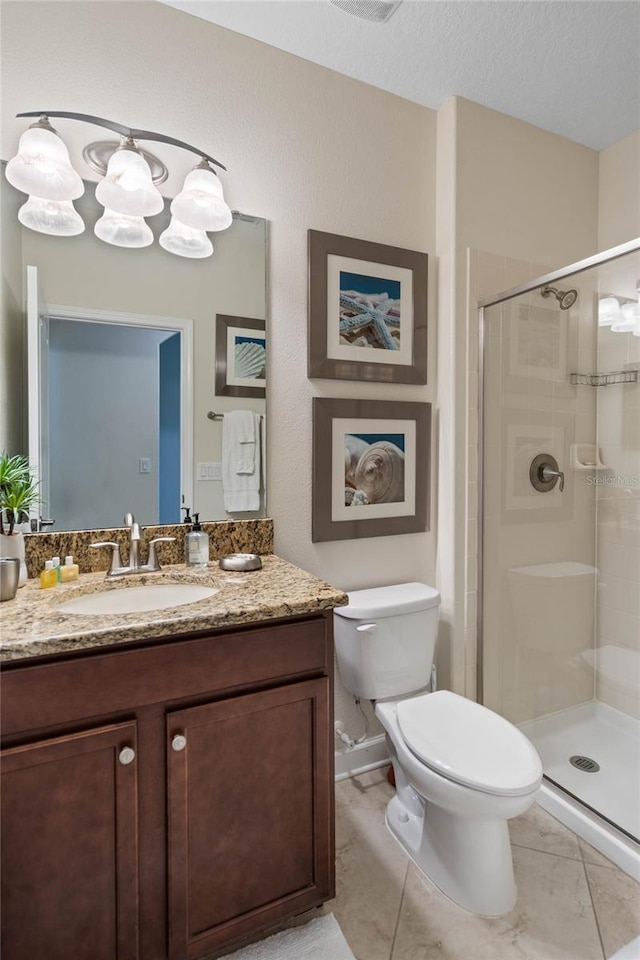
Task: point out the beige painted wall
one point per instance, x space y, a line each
518 192
523 192
305 148
619 192
308 148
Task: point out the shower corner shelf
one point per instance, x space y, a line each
586 457
603 379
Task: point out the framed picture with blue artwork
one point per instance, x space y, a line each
367 310
240 367
370 468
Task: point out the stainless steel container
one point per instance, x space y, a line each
9 576
240 561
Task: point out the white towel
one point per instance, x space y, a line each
240 461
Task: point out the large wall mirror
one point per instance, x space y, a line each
120 379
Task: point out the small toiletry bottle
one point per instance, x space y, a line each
196 544
56 566
49 576
70 571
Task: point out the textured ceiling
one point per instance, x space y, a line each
568 66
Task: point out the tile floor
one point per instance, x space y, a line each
573 903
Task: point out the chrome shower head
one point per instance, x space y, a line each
566 298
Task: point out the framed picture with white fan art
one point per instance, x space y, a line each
240 357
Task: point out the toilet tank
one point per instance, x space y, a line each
385 640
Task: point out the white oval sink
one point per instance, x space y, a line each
156 596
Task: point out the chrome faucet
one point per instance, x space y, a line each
151 566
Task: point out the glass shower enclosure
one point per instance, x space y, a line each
559 621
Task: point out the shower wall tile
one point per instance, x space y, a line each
472 433
516 272
617 592
472 573
470 610
614 626
520 681
470 637
472 388
471 677
618 695
472 460
472 539
472 500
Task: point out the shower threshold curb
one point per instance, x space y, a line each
608 841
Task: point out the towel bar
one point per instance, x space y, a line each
220 416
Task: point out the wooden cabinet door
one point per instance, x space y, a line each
250 814
69 847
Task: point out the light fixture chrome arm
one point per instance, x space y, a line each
119 128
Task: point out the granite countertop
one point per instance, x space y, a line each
30 625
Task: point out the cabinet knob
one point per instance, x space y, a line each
179 742
127 755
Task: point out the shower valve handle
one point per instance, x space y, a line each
544 473
548 475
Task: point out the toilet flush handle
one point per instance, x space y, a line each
366 627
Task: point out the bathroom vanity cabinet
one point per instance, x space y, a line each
166 798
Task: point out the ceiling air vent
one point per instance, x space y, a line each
378 11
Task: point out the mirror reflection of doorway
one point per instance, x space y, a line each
113 423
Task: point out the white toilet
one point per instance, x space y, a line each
461 770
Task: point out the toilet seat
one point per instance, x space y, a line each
469 744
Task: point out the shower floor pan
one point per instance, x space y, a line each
595 731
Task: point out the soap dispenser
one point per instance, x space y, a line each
196 545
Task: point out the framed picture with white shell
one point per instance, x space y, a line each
370 468
240 357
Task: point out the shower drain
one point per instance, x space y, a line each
586 764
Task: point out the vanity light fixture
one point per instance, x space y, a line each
608 311
128 190
621 314
184 241
56 217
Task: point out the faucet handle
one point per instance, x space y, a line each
116 562
152 560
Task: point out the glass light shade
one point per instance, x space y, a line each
184 241
200 204
56 217
608 311
629 320
122 230
41 167
127 186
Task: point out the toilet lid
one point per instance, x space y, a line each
467 743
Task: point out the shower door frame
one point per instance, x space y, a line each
614 253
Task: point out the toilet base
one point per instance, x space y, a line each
469 860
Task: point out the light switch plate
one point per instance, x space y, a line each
209 471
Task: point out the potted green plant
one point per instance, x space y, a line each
18 493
